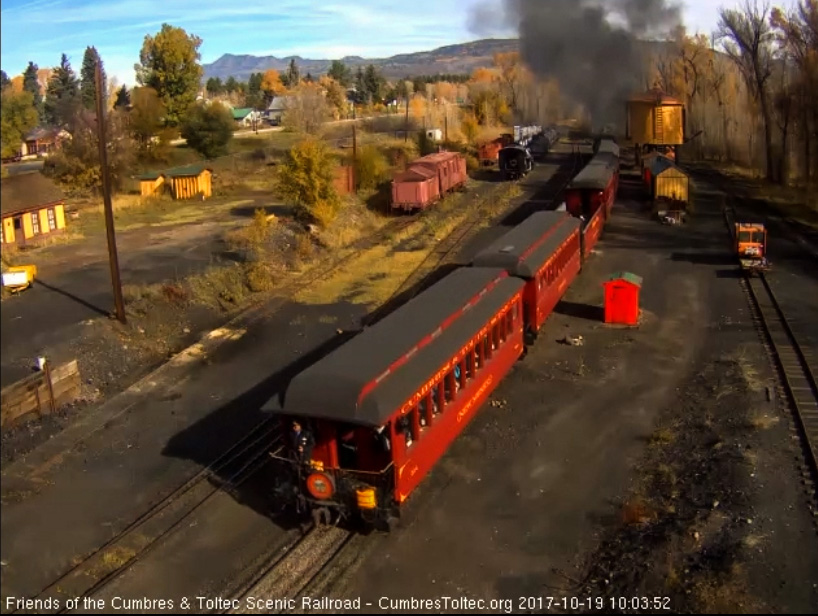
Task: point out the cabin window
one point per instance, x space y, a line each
471 358
449 386
347 446
462 368
35 223
486 349
510 320
437 398
495 338
406 427
424 411
745 236
478 355
52 219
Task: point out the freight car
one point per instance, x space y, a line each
428 179
367 423
515 162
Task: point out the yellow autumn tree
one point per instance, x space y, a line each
271 83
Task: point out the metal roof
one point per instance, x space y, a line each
596 174
28 191
657 96
627 276
525 249
176 172
661 164
367 380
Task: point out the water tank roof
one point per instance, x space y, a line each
655 95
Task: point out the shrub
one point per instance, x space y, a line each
208 129
372 168
306 178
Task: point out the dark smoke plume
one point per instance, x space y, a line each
592 47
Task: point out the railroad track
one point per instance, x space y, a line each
795 367
442 253
306 572
109 561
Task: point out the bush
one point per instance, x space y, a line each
470 127
306 178
208 129
372 168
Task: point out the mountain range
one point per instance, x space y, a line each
451 59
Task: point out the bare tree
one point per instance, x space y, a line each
747 39
307 110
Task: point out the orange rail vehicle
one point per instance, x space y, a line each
751 246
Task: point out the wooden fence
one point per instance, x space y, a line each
41 393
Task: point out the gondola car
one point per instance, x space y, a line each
515 162
384 407
545 251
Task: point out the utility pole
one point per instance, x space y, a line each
446 124
354 159
113 259
406 122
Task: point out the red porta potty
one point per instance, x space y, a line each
622 298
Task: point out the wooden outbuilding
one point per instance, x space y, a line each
622 298
33 206
183 182
667 181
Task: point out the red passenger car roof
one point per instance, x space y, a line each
597 173
368 379
526 248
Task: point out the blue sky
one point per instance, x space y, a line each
40 30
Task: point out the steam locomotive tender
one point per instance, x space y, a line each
515 161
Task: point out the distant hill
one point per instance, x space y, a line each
461 58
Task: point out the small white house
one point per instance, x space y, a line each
434 134
246 116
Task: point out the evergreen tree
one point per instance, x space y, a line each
62 95
32 86
340 72
89 86
123 98
292 77
4 79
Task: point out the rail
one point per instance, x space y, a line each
94 572
237 464
795 372
443 251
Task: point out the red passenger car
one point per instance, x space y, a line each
593 187
384 407
415 189
545 252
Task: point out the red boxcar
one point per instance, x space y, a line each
449 166
384 407
545 252
415 189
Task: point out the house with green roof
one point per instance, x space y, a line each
245 116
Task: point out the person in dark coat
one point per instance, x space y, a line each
301 443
